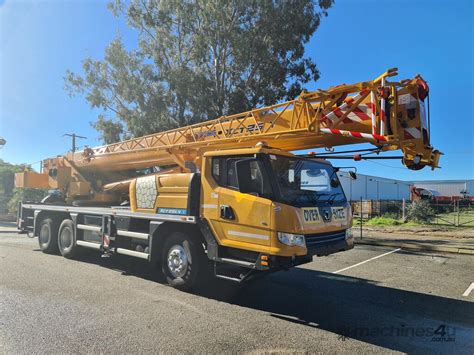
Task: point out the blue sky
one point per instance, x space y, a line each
40 40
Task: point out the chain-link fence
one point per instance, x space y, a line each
453 213
448 213
377 208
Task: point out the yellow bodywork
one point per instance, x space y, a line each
166 194
257 219
31 179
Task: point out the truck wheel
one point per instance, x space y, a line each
67 239
183 261
47 238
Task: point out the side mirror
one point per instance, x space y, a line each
353 175
335 182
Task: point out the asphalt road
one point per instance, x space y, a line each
394 302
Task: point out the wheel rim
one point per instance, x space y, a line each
66 239
45 233
177 261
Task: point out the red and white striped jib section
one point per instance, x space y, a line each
412 133
358 114
352 134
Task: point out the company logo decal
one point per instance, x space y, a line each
339 213
180 211
311 215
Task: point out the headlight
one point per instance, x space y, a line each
291 239
349 233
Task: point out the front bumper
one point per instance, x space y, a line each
322 244
319 245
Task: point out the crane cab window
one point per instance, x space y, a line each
216 169
223 171
253 179
306 183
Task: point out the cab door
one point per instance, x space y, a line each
243 203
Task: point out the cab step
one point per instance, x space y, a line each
234 272
236 262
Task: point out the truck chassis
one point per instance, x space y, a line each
117 230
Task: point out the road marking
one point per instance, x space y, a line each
366 261
469 289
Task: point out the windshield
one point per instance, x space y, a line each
304 183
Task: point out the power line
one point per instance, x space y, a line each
74 136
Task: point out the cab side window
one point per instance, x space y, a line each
216 169
255 179
232 173
224 171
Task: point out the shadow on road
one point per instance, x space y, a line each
352 308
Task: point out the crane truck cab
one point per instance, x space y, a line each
270 201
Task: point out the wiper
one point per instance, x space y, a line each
316 197
331 198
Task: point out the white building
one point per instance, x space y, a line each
447 188
370 187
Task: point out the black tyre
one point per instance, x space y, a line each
67 239
47 237
183 261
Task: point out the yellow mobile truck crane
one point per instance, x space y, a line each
227 196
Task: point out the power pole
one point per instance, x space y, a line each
73 136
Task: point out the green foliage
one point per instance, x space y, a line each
198 60
420 212
7 177
383 221
391 215
110 131
24 195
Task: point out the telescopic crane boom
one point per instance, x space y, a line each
390 115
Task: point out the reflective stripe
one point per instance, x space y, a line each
209 206
414 132
249 235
